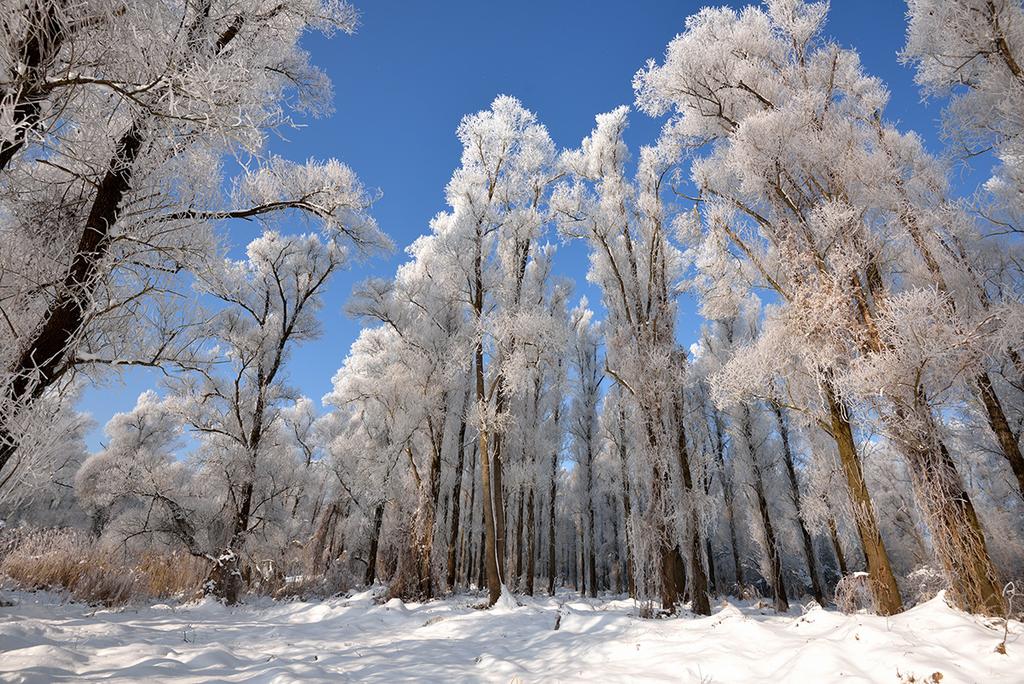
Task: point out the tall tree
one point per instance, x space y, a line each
812 226
624 221
120 114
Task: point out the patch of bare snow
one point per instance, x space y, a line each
359 638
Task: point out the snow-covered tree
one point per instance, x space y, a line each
625 223
118 118
583 426
269 304
487 239
973 52
798 181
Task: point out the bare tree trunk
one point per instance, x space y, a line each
787 453
480 564
317 563
959 541
518 572
957 535
701 604
531 526
616 561
551 517
630 578
772 547
575 563
712 575
371 556
727 493
1001 427
467 544
453 535
426 519
883 583
837 546
591 533
37 49
494 556
774 557
500 512
490 549
983 382
671 589
44 360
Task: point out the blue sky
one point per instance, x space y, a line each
414 68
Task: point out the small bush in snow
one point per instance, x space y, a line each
853 594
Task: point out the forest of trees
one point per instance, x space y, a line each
851 415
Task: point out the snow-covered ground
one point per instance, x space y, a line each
360 639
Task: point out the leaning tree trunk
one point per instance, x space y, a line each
997 420
837 546
44 359
38 49
959 540
957 535
884 589
1001 427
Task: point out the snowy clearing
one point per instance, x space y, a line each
358 639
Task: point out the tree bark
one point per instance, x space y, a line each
1001 427
630 578
591 533
837 546
774 557
883 583
794 485
701 603
453 535
957 535
43 361
490 551
519 539
371 556
727 494
531 550
35 52
551 512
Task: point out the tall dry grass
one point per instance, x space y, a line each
69 560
